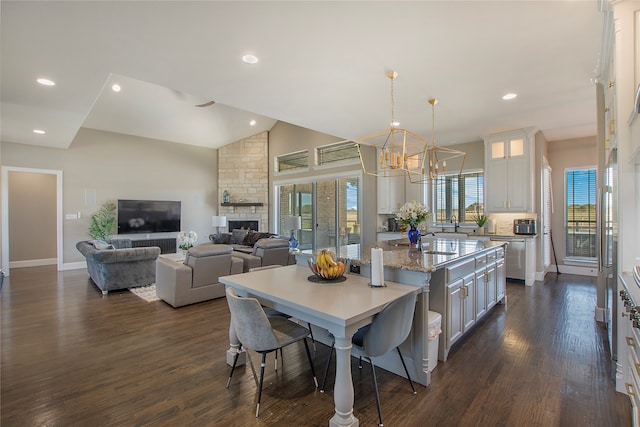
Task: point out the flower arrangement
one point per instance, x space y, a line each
412 214
187 240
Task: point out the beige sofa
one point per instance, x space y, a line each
266 252
196 279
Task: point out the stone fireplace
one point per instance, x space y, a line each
244 224
243 171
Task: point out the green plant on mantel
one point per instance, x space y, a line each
103 222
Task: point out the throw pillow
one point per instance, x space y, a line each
252 237
101 245
238 236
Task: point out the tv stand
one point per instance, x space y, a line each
167 246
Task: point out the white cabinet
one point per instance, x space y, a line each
459 293
460 300
461 306
501 276
628 338
492 280
509 180
393 192
390 194
481 286
454 311
413 191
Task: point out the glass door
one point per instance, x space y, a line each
329 211
297 200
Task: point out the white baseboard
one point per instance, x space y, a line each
571 269
600 314
74 265
33 263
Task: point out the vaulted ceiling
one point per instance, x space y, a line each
322 65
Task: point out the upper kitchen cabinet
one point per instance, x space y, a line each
390 194
509 183
393 192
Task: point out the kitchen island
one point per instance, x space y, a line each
461 279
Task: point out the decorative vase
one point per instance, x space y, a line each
413 234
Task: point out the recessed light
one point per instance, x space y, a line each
509 96
39 131
46 82
250 59
252 123
116 87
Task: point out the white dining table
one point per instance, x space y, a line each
340 307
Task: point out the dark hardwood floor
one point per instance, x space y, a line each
73 358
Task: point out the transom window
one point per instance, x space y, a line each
292 162
459 195
343 152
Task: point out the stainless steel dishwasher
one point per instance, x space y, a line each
515 257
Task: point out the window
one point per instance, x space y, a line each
452 191
297 162
580 218
344 152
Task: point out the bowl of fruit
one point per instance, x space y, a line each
326 266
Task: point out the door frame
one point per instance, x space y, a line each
5 212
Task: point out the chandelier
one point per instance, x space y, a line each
434 162
398 151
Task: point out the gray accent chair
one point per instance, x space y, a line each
387 331
262 334
195 279
267 252
119 266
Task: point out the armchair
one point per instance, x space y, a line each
195 279
266 252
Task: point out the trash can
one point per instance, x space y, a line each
433 338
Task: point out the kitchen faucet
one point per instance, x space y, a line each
454 221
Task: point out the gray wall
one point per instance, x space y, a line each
115 166
286 138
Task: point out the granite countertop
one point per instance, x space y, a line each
435 254
471 235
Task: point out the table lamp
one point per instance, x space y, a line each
293 223
217 222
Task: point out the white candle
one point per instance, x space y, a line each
377 267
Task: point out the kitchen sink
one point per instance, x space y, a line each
438 252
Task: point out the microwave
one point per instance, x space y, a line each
525 227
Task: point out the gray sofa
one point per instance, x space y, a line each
116 265
195 279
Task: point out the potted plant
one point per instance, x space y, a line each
103 222
480 220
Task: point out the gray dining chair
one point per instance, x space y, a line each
270 312
387 331
262 334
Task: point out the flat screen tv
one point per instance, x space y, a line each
148 216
